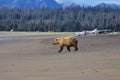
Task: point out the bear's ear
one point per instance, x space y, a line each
56 39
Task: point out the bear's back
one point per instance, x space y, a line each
68 40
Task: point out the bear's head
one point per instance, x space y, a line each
57 40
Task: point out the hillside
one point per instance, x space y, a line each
29 3
46 3
113 6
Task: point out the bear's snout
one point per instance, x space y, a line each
54 43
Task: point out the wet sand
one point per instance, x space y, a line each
34 57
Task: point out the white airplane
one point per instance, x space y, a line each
94 32
84 32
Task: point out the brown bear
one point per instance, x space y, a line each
66 41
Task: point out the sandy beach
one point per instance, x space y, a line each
33 57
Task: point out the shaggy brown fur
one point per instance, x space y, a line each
66 41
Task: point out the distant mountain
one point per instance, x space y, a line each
114 6
68 4
46 3
29 3
102 5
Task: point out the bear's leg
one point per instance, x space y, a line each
61 48
68 48
76 47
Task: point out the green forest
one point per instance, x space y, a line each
69 19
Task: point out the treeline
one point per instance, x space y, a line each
59 19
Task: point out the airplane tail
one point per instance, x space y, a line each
95 30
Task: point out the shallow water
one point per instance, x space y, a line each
7 38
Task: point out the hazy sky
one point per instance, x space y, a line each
90 2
